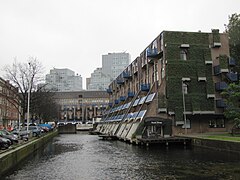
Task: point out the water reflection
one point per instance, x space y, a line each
82 156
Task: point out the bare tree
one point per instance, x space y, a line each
25 76
44 105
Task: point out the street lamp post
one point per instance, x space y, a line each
74 113
28 104
19 116
184 107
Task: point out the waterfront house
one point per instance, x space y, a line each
174 87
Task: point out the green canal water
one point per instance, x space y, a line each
83 156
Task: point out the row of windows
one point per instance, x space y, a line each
8 113
215 123
76 101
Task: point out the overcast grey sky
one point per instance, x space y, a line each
75 34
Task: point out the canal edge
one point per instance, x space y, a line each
219 145
10 159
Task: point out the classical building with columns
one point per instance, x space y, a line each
81 105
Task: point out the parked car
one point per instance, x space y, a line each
61 123
47 126
36 130
9 136
9 133
4 143
44 129
22 133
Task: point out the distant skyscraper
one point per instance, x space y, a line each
88 80
112 65
63 80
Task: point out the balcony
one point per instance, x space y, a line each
218 70
109 90
145 87
135 69
130 94
127 75
122 98
232 77
220 86
220 103
120 81
153 53
231 62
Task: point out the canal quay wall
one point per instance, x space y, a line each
67 129
219 145
193 141
11 158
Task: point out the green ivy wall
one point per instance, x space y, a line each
193 67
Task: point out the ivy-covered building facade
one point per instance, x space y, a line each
174 87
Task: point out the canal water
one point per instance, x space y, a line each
83 156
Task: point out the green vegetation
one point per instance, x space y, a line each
186 38
25 76
216 37
193 67
223 137
162 101
233 29
223 61
232 99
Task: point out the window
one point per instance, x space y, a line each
185 88
156 72
188 124
183 54
217 123
162 70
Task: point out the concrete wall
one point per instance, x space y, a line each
217 145
11 158
67 129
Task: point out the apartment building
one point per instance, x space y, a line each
81 105
112 65
99 81
9 104
63 80
173 87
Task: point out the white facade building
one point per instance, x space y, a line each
99 80
112 65
63 80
